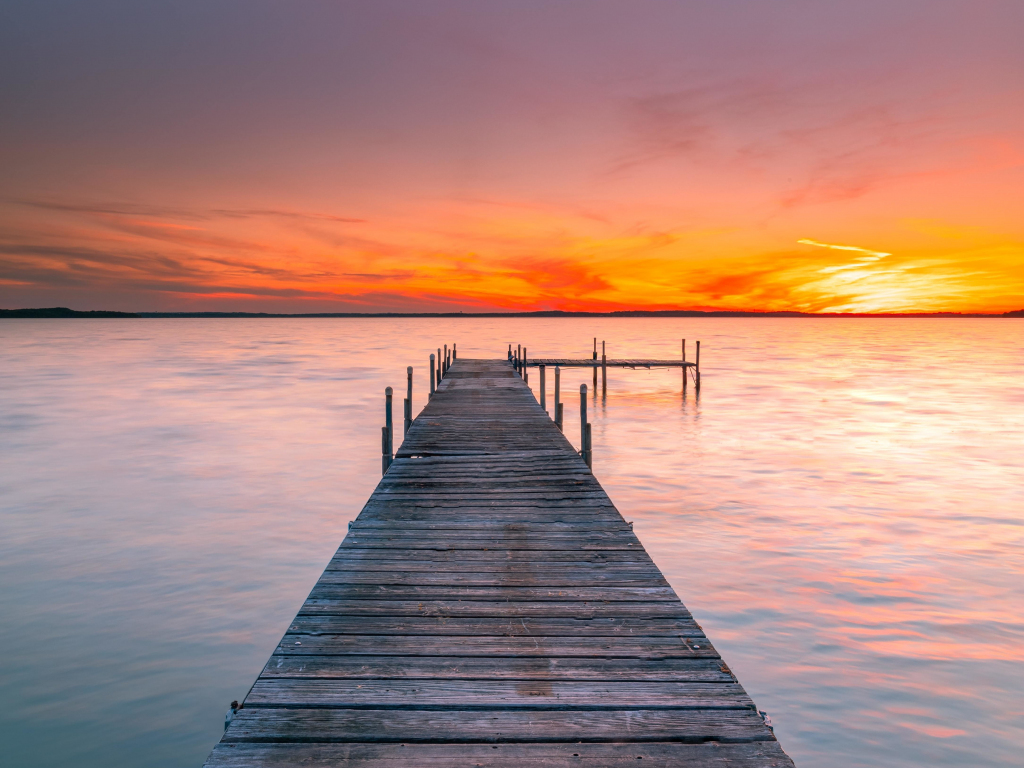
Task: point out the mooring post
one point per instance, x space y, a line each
526 374
684 364
589 455
519 359
389 429
432 374
455 355
543 390
444 371
697 369
595 364
384 462
604 370
583 419
558 398
510 353
408 400
439 367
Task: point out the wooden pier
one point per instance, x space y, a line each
490 607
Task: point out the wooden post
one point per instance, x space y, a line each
604 370
595 364
583 419
684 364
384 463
510 353
389 422
408 400
543 390
440 367
697 369
588 456
444 371
455 355
558 399
526 374
406 418
433 373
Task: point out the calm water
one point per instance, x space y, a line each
842 510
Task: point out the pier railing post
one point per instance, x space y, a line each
408 401
455 355
588 455
697 370
543 389
526 375
684 364
389 422
444 370
440 367
583 419
558 399
432 375
595 364
604 370
387 442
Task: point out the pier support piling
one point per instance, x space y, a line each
408 400
696 370
433 374
583 420
558 399
543 389
604 370
388 447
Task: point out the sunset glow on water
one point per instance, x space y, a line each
841 509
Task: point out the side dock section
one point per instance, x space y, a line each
491 607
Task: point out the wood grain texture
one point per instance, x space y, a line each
491 607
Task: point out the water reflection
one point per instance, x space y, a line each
841 509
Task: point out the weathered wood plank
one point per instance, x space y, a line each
505 668
691 645
329 588
466 726
495 694
550 609
762 754
419 625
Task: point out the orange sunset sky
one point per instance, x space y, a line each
354 156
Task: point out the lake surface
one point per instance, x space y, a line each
842 509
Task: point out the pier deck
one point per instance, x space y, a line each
491 607
551 362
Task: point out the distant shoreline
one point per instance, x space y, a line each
64 312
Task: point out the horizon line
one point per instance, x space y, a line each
64 312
